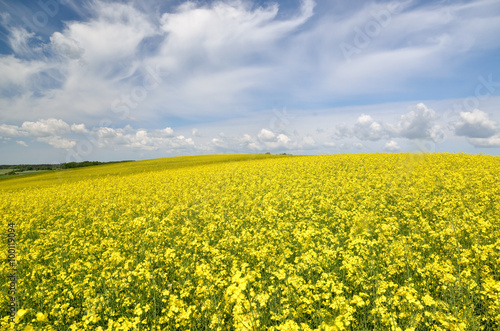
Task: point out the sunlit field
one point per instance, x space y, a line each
258 242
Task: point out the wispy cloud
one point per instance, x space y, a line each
155 65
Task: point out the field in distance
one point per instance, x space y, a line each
123 168
258 242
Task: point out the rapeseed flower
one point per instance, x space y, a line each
340 242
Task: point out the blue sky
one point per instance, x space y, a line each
112 80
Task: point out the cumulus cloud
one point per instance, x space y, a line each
219 142
246 138
140 139
437 133
218 56
280 141
11 131
168 131
41 128
105 132
422 123
366 128
392 146
45 128
266 135
475 124
22 143
493 141
79 128
342 131
418 123
283 138
58 142
378 131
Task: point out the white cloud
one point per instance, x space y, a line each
10 131
205 62
493 141
141 139
216 57
66 46
79 128
113 34
266 135
16 75
342 131
284 139
22 143
367 129
168 131
19 40
46 128
475 124
42 128
392 146
307 142
254 147
105 132
437 133
246 138
418 123
201 56
301 136
58 142
224 32
218 142
281 141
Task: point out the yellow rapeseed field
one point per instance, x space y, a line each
339 242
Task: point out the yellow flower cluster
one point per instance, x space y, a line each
339 242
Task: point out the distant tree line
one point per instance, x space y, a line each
79 164
86 164
30 167
37 167
269 153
